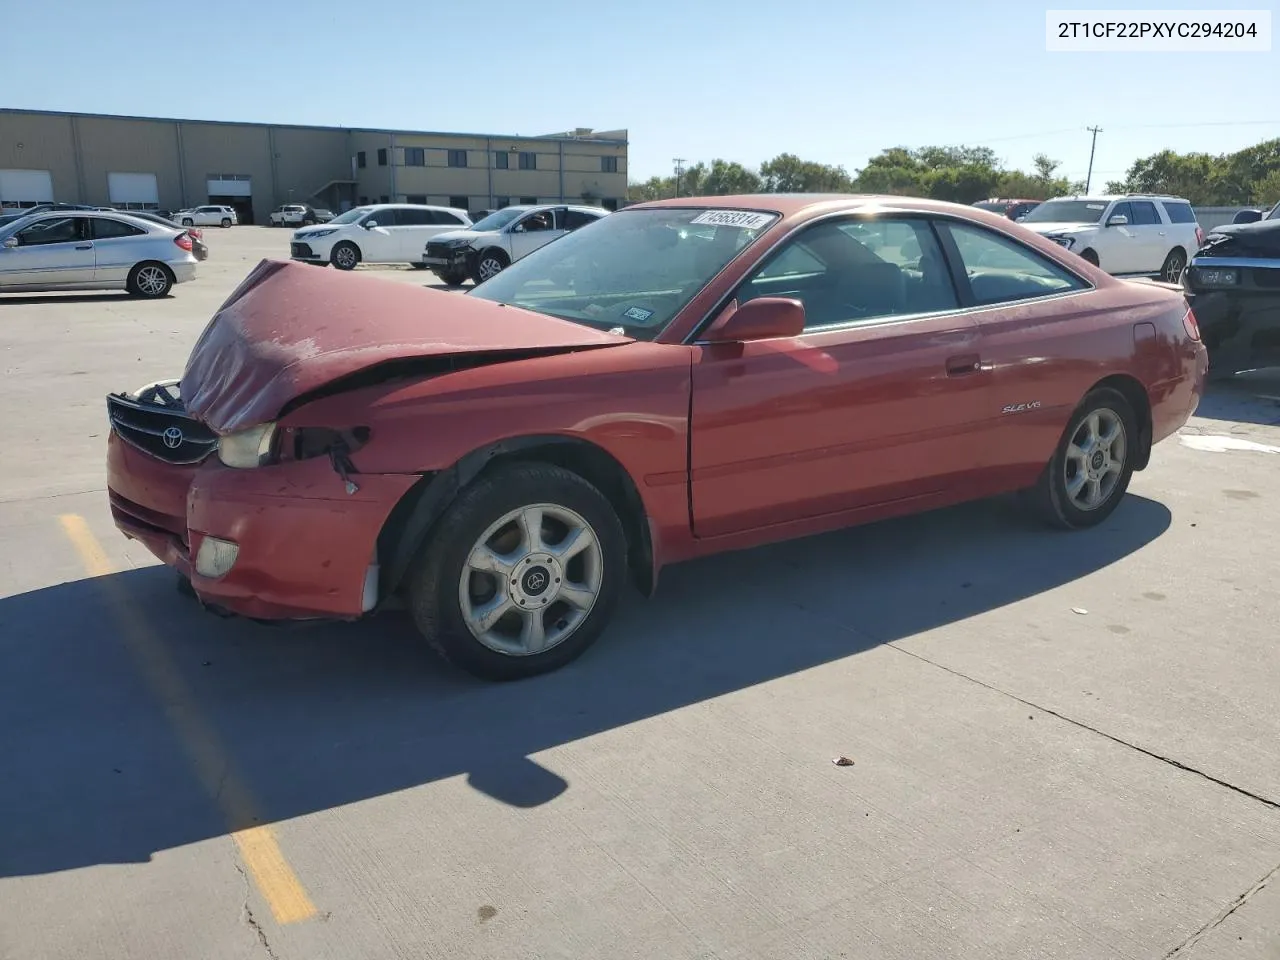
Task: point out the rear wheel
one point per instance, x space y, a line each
522 574
188 222
1173 266
226 222
149 279
345 255
1090 471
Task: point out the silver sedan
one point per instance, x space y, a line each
91 250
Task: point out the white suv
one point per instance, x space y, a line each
502 238
210 215
1134 234
381 233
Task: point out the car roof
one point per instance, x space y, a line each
790 204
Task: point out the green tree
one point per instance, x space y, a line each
726 177
787 173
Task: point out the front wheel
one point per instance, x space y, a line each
1090 255
453 278
522 574
188 222
345 256
1090 471
490 264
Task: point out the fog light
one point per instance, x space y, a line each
216 557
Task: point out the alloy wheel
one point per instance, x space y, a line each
1095 459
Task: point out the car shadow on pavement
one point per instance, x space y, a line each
61 299
325 716
1252 397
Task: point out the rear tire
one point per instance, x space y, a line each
226 223
1089 472
188 222
506 545
150 279
345 256
1174 264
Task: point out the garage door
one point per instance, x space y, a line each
230 185
25 188
133 191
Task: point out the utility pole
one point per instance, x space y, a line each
679 162
1088 179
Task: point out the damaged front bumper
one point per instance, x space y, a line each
1233 285
279 542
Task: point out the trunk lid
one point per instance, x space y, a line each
289 329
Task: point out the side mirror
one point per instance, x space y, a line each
1119 220
763 318
370 224
1247 216
518 228
10 242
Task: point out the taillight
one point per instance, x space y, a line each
1199 237
183 241
1190 325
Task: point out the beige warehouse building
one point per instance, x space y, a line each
151 163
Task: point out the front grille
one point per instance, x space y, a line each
441 250
164 432
300 250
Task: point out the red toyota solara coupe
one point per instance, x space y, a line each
676 379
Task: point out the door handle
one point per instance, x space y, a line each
963 365
84 246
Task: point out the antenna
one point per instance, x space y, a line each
1088 180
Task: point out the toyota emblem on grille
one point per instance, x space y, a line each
172 438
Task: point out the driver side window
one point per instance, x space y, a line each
856 271
536 221
60 230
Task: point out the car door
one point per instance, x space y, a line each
381 240
535 230
1023 303
115 245
413 228
1117 243
53 251
881 399
1151 237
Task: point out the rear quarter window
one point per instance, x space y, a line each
1179 212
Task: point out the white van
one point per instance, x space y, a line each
379 233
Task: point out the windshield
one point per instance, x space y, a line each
499 219
633 270
1067 211
1274 214
352 215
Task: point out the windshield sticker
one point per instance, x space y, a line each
744 219
1095 206
638 314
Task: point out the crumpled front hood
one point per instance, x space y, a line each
290 329
1260 239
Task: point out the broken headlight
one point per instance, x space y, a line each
247 448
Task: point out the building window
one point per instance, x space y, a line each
502 202
457 158
609 203
382 156
364 202
528 200
361 161
608 164
420 198
384 199
502 160
528 161
459 203
415 157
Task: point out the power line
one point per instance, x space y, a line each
1088 177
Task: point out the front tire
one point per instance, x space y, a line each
522 573
345 255
1090 255
1088 475
490 263
454 278
149 279
188 222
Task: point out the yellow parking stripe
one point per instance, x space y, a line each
263 859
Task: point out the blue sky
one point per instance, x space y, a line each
745 80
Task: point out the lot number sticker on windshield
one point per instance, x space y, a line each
638 314
744 219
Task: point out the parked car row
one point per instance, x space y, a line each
444 240
299 214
